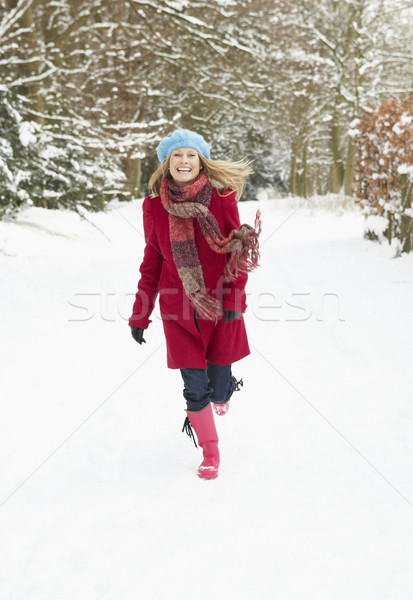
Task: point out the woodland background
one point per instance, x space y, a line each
88 88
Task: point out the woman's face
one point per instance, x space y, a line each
184 166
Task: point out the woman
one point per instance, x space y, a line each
197 256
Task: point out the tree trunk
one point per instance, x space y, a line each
31 46
389 227
302 177
295 149
406 232
337 170
406 221
349 170
133 172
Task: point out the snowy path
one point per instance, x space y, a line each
315 494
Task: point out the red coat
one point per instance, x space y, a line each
190 341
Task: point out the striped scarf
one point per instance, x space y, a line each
184 204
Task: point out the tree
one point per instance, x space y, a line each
384 179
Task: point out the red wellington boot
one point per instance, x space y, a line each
204 425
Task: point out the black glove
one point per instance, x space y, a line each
230 315
137 334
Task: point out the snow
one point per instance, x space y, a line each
406 120
99 497
405 169
376 224
27 133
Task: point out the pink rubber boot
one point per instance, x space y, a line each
204 425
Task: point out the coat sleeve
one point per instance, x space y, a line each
150 271
234 297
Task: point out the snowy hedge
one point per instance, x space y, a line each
384 173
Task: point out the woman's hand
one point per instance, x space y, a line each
231 315
137 334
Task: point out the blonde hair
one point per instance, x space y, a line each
223 174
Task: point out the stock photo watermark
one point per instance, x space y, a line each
268 306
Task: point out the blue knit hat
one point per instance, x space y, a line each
182 138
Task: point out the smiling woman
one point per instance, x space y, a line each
197 258
184 166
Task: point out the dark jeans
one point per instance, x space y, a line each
201 386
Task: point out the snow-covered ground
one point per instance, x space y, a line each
98 490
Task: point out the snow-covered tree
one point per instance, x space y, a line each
384 175
327 62
278 82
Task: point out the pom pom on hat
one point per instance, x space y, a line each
182 138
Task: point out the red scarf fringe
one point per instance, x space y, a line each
247 259
205 305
